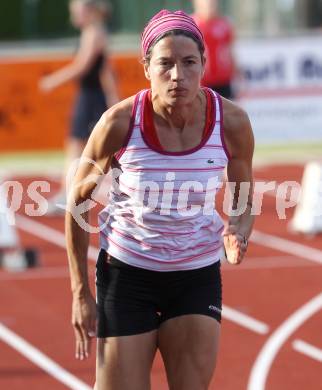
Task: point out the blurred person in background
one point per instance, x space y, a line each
91 69
218 33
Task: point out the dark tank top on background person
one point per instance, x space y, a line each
90 101
91 79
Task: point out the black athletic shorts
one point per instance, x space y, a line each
89 106
132 300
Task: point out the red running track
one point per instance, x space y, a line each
270 286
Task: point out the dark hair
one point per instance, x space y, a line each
200 44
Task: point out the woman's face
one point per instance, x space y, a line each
79 14
175 70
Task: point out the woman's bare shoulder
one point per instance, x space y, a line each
237 128
120 113
112 129
235 117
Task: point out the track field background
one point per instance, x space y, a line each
272 317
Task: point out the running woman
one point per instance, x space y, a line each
158 273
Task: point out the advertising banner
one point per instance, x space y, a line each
281 87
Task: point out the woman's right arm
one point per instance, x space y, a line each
106 139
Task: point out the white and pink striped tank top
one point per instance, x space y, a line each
161 212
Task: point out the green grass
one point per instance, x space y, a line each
33 162
52 162
288 153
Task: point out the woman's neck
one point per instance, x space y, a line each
177 117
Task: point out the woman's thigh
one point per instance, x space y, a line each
189 346
127 325
190 326
125 362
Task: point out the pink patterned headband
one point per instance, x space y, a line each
165 21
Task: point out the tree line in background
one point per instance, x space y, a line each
43 19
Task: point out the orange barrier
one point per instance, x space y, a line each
32 120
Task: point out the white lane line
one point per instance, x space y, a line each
308 350
36 274
49 234
46 233
274 343
287 246
46 273
244 320
252 263
269 262
41 360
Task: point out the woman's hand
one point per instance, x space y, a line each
84 323
235 245
46 84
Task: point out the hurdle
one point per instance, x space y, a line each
12 256
308 213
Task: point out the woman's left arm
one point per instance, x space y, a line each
240 143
